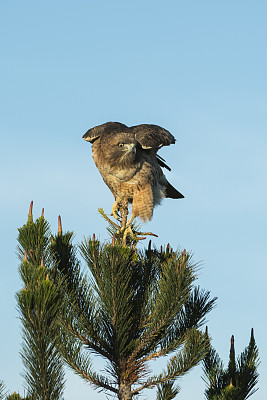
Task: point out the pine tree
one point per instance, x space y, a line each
2 390
38 303
14 396
132 307
238 380
167 391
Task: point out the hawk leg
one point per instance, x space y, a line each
121 206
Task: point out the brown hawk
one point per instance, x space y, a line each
127 159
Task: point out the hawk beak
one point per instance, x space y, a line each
130 147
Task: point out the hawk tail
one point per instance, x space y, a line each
172 193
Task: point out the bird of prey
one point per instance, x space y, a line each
127 159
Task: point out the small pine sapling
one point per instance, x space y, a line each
236 382
39 302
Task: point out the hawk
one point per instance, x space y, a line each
127 159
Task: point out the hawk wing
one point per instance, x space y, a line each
152 136
109 127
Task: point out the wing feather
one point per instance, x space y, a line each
152 136
109 127
162 163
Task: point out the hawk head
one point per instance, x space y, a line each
119 149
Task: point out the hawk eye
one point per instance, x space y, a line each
120 145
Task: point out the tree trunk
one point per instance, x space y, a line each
125 392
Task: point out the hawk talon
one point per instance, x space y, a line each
115 209
128 231
128 228
115 215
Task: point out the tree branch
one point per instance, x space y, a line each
87 342
90 378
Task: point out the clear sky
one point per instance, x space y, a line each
197 68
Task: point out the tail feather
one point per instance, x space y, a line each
143 203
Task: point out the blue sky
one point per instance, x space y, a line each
196 68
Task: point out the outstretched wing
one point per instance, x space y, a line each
152 136
109 127
148 136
